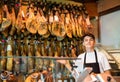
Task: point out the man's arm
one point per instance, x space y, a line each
107 72
68 66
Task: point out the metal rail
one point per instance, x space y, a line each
43 57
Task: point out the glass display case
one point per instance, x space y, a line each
46 69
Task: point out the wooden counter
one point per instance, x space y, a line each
117 78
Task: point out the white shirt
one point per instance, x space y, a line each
90 58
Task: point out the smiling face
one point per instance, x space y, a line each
89 42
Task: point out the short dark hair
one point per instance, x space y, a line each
88 34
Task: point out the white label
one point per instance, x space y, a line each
9 48
56 18
59 80
65 80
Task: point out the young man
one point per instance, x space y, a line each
91 58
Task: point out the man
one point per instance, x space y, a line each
91 58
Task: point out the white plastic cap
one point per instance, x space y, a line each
9 48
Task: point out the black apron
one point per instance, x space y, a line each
95 66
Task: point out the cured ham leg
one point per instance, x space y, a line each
79 22
6 21
23 63
38 61
89 26
3 61
68 25
17 53
30 58
9 65
13 20
43 27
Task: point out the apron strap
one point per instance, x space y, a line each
96 56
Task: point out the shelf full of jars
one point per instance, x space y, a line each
34 33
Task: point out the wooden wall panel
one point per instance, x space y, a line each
104 5
91 8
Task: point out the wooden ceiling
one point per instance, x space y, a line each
91 6
84 1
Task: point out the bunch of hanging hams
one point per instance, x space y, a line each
44 20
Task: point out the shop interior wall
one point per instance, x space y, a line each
110 30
